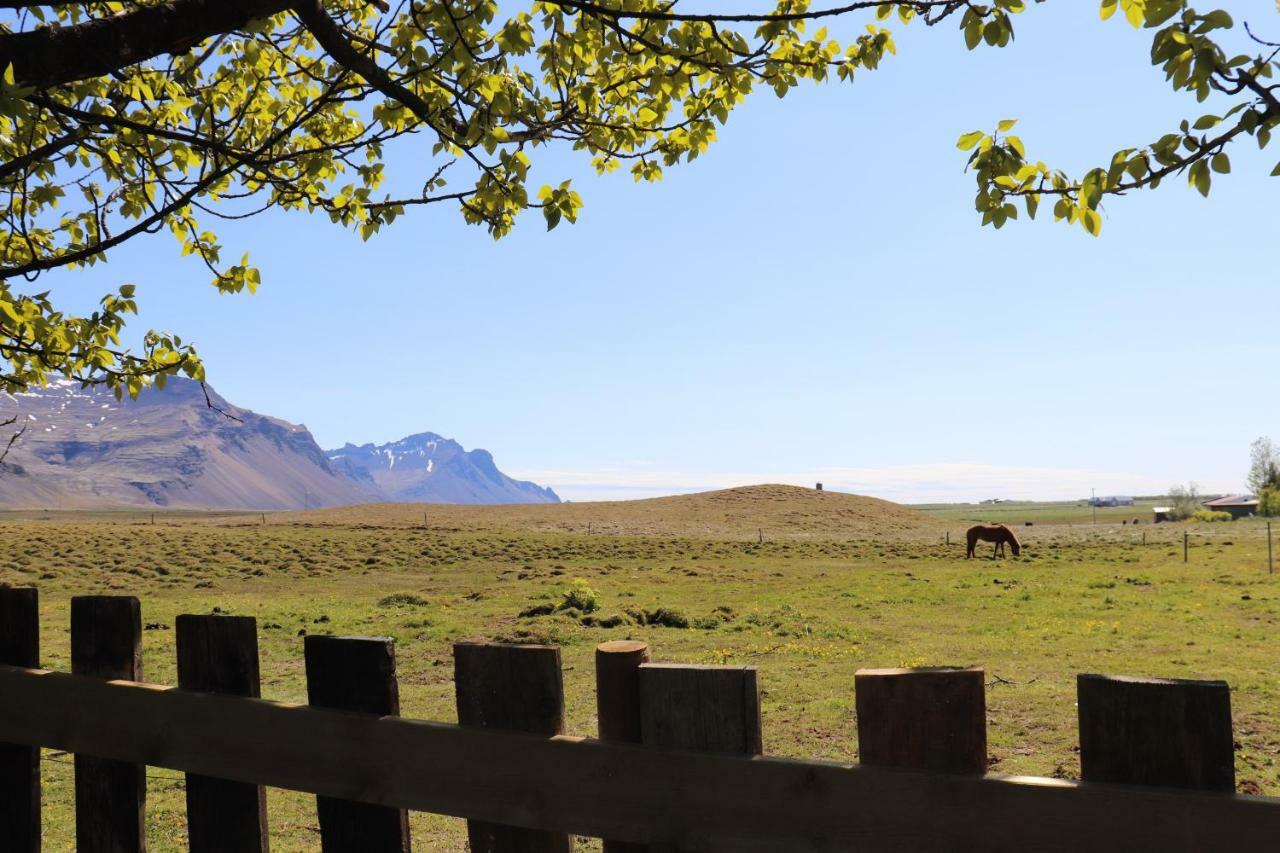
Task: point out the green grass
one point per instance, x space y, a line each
808 613
1042 512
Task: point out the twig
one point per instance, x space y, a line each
13 438
208 401
1258 40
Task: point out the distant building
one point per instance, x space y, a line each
1240 506
1162 513
1112 500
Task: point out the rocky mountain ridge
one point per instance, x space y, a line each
84 449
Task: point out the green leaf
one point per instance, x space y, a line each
1007 125
1092 222
968 140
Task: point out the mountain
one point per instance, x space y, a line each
84 449
432 469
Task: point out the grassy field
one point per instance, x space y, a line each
837 584
1042 512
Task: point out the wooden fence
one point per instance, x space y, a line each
678 764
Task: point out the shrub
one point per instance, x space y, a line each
706 623
664 617
580 596
615 620
1269 503
403 599
1211 515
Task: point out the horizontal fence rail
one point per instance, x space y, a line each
700 801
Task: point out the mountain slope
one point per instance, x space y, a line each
431 469
83 448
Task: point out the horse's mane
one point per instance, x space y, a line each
1012 535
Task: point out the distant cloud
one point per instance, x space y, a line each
944 482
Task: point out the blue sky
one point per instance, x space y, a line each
812 300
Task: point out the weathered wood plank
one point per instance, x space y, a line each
106 643
618 703
703 708
219 654
516 688
356 674
1156 731
922 719
615 791
19 764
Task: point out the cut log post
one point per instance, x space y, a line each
106 643
19 765
923 719
1155 731
356 674
513 688
618 703
219 654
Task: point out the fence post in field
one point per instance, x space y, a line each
923 719
1186 544
699 708
219 654
1271 566
513 688
19 765
356 674
618 703
106 642
1154 731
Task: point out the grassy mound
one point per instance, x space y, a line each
739 513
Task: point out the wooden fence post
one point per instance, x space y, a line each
219 654
618 703
356 674
106 642
1186 546
514 688
20 765
923 719
699 708
1155 731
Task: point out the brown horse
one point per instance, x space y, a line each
996 533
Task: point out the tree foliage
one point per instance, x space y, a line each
1264 467
119 119
1185 500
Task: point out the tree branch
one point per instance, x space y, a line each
52 56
